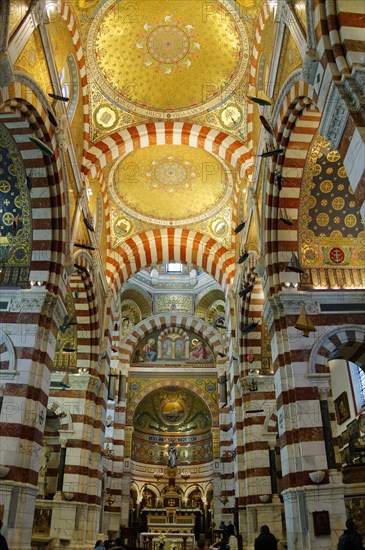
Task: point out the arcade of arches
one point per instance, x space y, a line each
182 270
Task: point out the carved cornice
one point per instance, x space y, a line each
335 115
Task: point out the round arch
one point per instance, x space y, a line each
169 244
345 342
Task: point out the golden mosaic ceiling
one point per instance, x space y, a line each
167 59
170 184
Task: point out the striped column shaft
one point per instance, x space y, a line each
350 16
325 51
334 36
87 323
298 398
298 404
254 472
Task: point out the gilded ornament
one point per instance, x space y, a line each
350 220
326 186
322 219
338 203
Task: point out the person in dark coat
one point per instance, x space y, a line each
230 529
3 542
266 540
350 538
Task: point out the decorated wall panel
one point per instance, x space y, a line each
15 214
331 229
173 346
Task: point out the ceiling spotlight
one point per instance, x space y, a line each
86 246
260 100
274 153
266 125
52 118
59 97
249 328
240 227
294 264
246 290
243 258
88 224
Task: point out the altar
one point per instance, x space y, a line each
167 541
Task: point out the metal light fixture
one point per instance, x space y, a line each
253 385
158 475
273 153
185 475
59 97
249 328
240 227
243 258
246 290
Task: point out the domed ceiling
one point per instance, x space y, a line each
170 184
172 415
167 59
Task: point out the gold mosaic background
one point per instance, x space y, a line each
331 229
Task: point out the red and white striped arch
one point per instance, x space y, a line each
168 244
23 114
297 123
225 146
342 342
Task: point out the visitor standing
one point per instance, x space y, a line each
266 540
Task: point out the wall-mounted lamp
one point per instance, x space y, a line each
253 385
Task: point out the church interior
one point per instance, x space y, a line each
195 352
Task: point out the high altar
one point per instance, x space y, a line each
171 527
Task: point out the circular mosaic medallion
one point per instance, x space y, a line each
338 203
350 220
322 219
342 172
333 156
326 186
336 255
168 44
170 172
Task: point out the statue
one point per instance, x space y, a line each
172 456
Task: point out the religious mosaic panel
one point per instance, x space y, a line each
170 346
172 418
331 231
173 302
15 214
